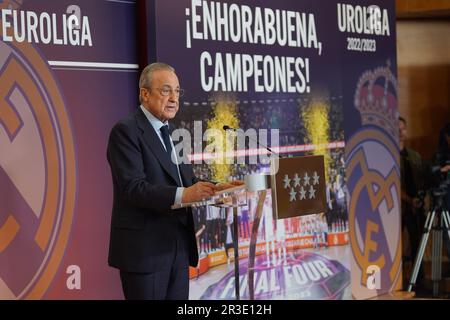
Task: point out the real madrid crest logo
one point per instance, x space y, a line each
374 181
37 172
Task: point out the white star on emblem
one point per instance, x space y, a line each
302 193
315 178
293 195
297 181
312 192
287 182
306 178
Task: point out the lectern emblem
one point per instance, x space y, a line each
301 188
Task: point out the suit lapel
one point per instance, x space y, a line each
153 141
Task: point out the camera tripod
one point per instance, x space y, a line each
437 222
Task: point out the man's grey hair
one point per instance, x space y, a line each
147 74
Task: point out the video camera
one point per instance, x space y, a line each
436 181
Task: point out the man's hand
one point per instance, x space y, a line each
199 191
228 185
445 169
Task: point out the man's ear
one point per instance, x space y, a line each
143 93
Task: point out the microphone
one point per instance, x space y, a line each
226 128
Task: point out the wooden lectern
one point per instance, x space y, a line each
297 186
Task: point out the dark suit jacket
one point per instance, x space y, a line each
143 224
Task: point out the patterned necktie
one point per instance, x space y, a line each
166 138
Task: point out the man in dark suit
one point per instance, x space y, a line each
412 181
151 244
